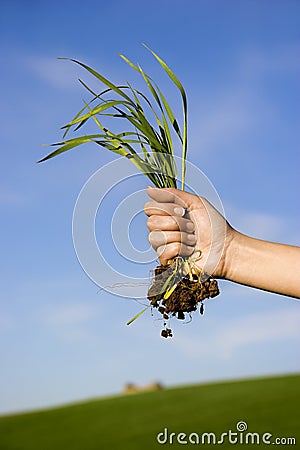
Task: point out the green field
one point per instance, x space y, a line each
267 405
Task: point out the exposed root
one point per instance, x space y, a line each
176 290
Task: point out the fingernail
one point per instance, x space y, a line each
190 226
191 237
179 211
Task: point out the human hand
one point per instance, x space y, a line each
181 223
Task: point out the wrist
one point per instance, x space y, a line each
230 260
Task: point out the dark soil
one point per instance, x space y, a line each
185 298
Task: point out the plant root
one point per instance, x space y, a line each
176 294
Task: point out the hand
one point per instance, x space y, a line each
181 223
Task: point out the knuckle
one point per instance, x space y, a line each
189 250
151 238
176 248
152 223
185 250
162 251
177 222
147 206
165 251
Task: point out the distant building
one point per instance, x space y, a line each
131 387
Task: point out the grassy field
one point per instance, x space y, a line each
133 421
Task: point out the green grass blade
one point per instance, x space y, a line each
67 128
154 140
165 132
159 98
170 114
94 111
152 90
68 145
100 77
139 114
137 315
184 103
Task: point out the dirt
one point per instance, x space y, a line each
185 298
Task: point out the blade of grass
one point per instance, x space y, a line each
156 144
69 144
165 132
100 77
156 97
137 315
95 111
184 103
159 142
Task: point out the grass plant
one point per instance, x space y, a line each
149 128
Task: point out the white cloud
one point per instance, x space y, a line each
280 59
264 225
70 322
225 338
64 74
9 197
261 328
258 224
61 74
70 314
234 109
226 118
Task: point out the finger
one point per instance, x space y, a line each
169 251
163 209
171 195
170 223
159 238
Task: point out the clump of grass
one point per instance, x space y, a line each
156 156
147 141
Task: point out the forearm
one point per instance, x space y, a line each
264 265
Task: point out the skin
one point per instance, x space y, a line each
181 223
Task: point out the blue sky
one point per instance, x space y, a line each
61 339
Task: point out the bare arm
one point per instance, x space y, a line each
226 253
264 265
